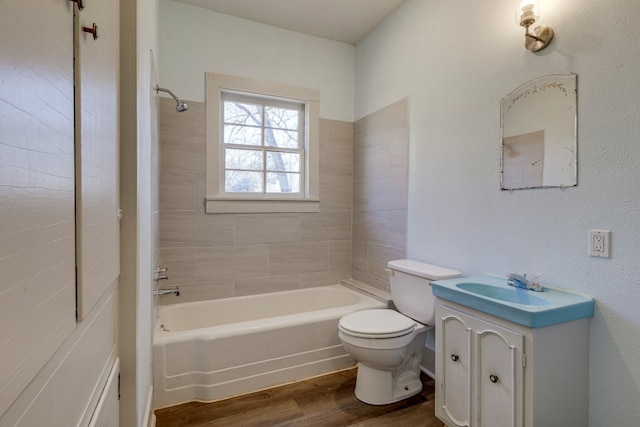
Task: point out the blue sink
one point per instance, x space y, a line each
492 295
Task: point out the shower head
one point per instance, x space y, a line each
180 104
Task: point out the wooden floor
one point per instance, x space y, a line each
322 401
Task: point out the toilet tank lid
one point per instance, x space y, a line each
421 269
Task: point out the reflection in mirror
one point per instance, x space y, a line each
539 134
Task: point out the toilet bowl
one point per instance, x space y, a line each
389 359
387 343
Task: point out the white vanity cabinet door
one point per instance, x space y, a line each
479 371
499 376
455 368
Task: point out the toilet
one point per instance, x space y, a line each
387 344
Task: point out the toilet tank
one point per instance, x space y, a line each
411 287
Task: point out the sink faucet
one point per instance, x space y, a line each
521 281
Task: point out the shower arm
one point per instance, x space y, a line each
161 89
180 104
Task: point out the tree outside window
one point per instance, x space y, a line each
263 145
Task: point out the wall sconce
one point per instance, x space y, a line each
535 39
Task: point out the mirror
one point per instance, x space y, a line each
539 134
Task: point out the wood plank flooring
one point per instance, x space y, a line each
322 401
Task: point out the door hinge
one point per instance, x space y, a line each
120 215
524 360
118 385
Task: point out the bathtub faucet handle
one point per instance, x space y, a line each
160 273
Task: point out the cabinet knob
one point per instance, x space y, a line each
493 378
455 357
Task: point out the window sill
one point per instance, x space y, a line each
227 206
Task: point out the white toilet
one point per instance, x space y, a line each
388 344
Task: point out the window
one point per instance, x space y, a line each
262 147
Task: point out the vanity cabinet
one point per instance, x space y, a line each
494 373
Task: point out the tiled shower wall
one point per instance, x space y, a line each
214 256
363 181
380 170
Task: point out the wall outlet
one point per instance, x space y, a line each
599 243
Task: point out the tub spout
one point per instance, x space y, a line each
162 292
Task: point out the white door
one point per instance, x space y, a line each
454 367
96 49
97 130
37 237
499 376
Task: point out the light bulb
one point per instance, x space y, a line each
528 12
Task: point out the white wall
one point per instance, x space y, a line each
195 40
138 117
456 60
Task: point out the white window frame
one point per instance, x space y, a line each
217 201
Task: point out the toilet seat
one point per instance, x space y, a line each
377 324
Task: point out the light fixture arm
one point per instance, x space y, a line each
537 38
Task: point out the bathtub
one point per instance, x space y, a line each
209 350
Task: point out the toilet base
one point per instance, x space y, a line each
377 387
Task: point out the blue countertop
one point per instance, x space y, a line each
492 295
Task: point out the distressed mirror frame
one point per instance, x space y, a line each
539 126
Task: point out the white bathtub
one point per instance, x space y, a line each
209 350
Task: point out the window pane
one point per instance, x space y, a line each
243 182
285 162
243 159
242 113
281 118
283 182
281 138
242 135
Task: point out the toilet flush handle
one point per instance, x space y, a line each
388 270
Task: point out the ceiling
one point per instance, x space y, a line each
347 21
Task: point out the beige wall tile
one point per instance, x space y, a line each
324 278
379 256
334 225
359 255
398 229
184 226
336 165
259 285
336 191
181 264
182 158
179 191
267 228
336 146
395 186
371 280
371 226
379 192
182 141
291 258
340 255
195 228
361 195
199 292
231 262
